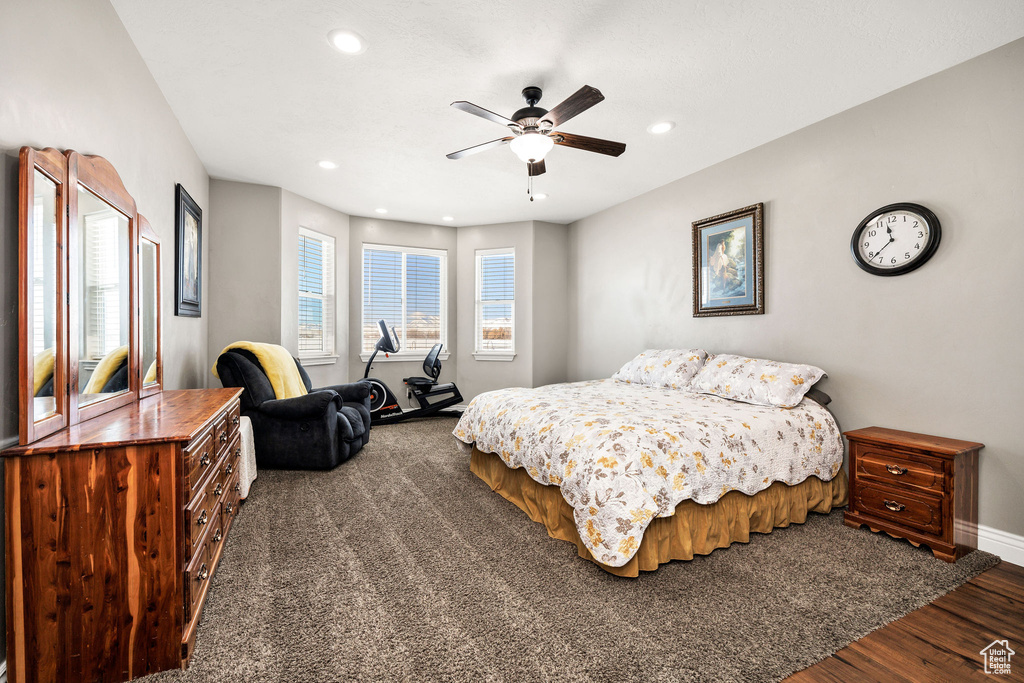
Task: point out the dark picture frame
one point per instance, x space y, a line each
728 263
188 255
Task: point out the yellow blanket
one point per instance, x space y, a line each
43 369
106 369
150 374
277 363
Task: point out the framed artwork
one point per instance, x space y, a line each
188 255
728 263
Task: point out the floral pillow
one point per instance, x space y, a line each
673 368
754 380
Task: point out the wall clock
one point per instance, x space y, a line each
895 239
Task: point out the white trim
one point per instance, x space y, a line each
401 357
492 355
318 360
1008 546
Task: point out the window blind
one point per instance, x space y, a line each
316 294
495 301
106 322
405 287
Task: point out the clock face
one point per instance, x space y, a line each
895 239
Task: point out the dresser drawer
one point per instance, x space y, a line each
199 459
899 469
197 579
234 418
915 510
198 518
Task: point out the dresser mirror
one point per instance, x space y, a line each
89 293
104 299
149 308
42 211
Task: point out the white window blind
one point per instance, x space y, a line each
316 294
407 287
495 302
39 271
105 268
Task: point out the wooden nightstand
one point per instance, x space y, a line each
914 486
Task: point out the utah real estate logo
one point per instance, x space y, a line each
997 657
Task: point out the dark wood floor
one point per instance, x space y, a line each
942 640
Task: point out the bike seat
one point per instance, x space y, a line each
420 381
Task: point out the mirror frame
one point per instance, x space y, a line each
98 176
147 233
53 164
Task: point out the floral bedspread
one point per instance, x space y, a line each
624 453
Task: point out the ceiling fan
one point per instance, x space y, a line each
533 128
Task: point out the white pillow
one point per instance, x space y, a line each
754 380
673 368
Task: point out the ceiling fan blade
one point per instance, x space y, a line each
577 103
476 110
598 145
479 148
537 168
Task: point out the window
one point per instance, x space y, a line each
407 287
316 295
495 304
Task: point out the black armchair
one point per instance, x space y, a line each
320 430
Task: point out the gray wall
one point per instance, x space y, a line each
98 99
245 260
398 233
550 303
934 351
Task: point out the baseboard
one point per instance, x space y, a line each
1008 546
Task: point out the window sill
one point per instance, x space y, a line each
318 360
401 357
490 355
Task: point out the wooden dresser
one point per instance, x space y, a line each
114 528
914 486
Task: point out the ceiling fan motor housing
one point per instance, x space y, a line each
528 116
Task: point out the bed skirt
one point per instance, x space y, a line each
694 529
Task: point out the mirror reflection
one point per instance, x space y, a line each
148 317
43 257
104 283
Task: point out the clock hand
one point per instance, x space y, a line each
891 240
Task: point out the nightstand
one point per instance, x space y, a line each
915 486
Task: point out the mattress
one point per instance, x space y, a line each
624 454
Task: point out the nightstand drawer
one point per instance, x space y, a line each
899 469
913 510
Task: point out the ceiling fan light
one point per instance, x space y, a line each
532 147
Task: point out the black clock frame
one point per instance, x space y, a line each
934 231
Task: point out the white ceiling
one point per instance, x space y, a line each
263 97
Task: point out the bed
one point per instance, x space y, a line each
638 475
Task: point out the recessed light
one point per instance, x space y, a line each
448 219
381 210
346 41
661 127
327 165
540 195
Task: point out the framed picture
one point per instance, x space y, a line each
728 263
188 255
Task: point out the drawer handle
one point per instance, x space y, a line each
217 536
219 490
202 519
234 420
894 506
238 451
230 468
223 437
896 469
204 460
229 508
204 573
238 488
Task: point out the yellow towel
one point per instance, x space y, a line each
106 369
150 374
277 363
43 369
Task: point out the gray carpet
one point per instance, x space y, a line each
402 565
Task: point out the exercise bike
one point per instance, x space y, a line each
384 407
